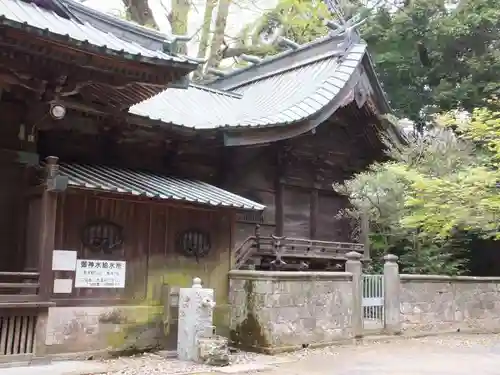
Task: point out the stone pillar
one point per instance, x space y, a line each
392 317
196 306
354 266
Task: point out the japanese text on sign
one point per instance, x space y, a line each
100 274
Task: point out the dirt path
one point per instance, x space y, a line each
449 355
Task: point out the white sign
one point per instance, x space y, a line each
63 286
100 273
63 260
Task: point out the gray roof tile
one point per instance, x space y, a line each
276 98
151 185
33 18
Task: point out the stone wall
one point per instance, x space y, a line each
439 303
282 311
99 329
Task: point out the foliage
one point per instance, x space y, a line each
433 56
435 188
298 20
467 196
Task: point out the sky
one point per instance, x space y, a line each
241 13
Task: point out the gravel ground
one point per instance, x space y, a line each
152 363
443 355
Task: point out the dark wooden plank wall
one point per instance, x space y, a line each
12 185
252 176
32 233
309 209
329 226
296 212
11 213
150 231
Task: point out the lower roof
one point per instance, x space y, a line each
152 185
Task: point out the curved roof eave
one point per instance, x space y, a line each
276 132
301 93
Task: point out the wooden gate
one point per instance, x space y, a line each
373 302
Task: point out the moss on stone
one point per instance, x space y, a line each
249 334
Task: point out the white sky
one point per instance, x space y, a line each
241 13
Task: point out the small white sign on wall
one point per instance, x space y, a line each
63 260
63 286
100 273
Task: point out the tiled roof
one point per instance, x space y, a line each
196 107
126 30
126 181
274 97
32 18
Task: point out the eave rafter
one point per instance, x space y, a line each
35 63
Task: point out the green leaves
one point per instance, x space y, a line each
462 46
436 186
299 20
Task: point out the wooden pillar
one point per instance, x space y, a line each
314 212
278 209
47 232
279 190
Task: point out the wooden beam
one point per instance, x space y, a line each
47 238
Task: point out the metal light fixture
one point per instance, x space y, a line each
57 111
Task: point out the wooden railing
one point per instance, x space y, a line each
19 286
299 247
280 247
244 252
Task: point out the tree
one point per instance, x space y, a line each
437 188
139 12
178 18
468 196
218 36
298 20
433 56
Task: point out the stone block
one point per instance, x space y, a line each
213 351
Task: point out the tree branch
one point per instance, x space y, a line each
261 51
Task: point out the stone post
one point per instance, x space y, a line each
392 318
354 266
196 305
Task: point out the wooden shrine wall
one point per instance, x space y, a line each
307 210
150 246
12 188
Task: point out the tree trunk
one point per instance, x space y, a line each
205 28
205 36
179 21
139 11
218 39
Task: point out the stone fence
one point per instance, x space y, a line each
278 311
282 311
432 303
